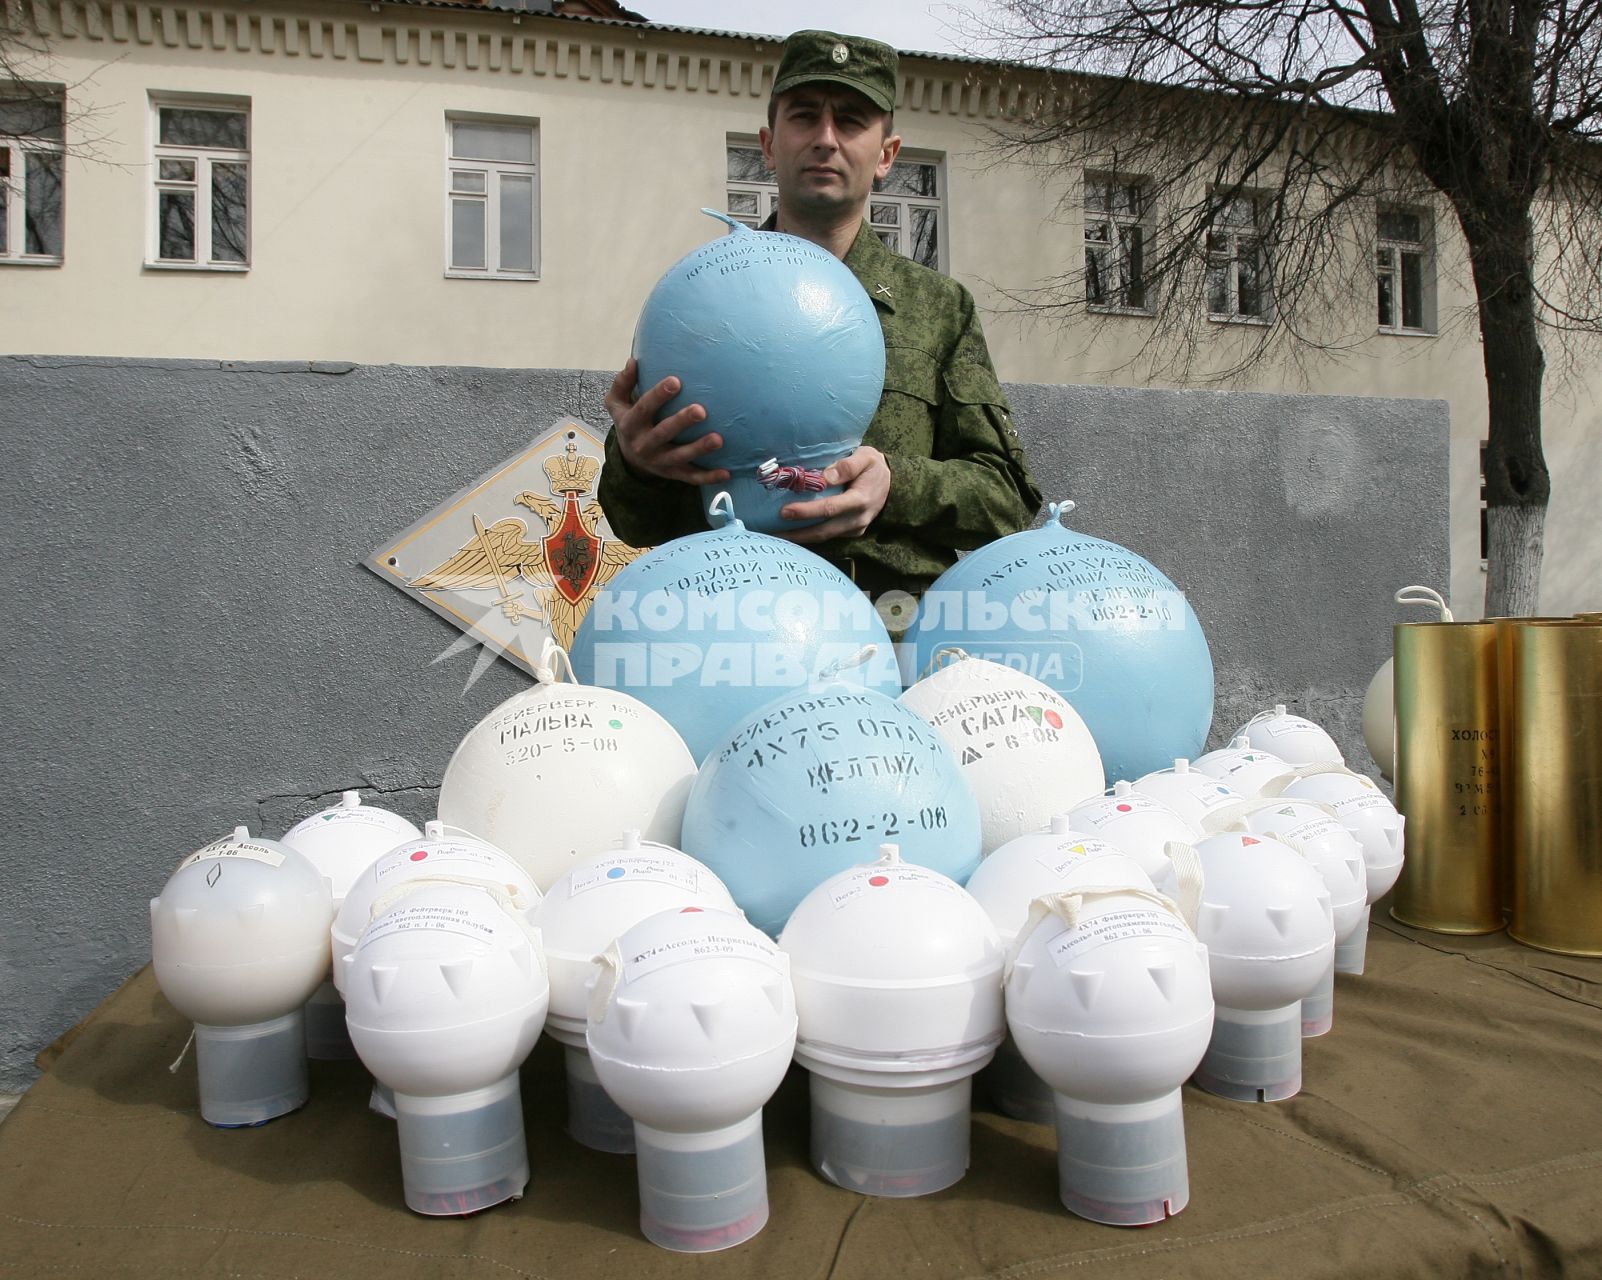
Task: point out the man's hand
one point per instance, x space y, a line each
647 444
866 477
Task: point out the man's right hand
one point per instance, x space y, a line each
648 445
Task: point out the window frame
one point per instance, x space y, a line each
494 172
766 193
1236 232
1399 249
205 160
1116 221
18 148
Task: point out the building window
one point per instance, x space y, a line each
1238 284
753 195
1402 269
905 211
1115 242
492 199
31 165
201 162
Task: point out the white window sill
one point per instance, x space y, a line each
221 268
30 262
525 277
1261 322
1105 309
1396 331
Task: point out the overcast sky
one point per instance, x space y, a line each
930 25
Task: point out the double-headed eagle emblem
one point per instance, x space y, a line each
565 567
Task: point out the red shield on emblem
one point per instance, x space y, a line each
572 554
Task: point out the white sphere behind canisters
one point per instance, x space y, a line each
1108 1000
1266 922
557 771
1006 884
341 841
1021 746
691 1027
1369 815
897 974
587 908
445 995
239 941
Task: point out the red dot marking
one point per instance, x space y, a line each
419 855
1246 840
684 911
1054 720
1126 808
876 881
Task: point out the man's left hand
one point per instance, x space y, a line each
865 476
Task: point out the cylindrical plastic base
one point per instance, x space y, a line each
1318 1006
250 1075
1123 1165
592 1117
701 1192
1016 1090
462 1153
890 1142
327 1036
1349 955
1255 1055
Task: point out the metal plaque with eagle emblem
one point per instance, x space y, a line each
519 554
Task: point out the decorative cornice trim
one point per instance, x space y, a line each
498 41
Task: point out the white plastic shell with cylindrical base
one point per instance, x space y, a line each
1025 751
342 841
586 909
1197 797
239 941
1265 919
1365 811
1108 999
1316 833
445 996
455 858
1141 825
1294 739
897 974
691 1027
1246 769
1006 883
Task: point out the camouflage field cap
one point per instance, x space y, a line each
868 66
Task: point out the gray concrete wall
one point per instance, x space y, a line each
193 642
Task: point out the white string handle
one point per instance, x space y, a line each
545 670
857 659
1424 595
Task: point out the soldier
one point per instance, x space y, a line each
940 468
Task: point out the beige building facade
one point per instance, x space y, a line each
397 183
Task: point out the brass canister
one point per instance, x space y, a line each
1553 782
1447 761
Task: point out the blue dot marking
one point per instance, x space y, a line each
615 873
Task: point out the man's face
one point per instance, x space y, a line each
827 145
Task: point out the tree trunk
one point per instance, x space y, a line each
1517 485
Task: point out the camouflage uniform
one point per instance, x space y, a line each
958 476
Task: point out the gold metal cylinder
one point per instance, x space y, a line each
1447 761
1553 780
1504 724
